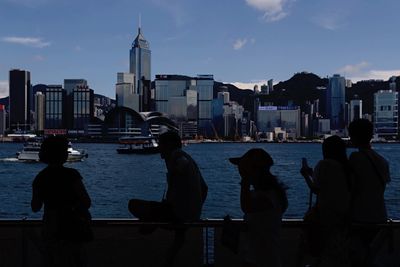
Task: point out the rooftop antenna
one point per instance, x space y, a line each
140 21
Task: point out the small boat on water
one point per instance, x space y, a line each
30 152
138 145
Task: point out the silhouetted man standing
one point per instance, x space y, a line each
370 176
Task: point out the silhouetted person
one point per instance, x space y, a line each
185 194
66 202
330 182
370 176
263 206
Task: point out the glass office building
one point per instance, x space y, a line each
83 103
19 102
55 97
335 102
186 98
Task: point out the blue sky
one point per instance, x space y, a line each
243 41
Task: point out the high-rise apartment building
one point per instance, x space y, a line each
20 86
335 102
2 119
386 113
140 66
39 111
55 106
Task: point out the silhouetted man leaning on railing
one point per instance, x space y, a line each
184 197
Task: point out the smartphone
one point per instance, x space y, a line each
304 163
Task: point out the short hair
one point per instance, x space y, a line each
361 130
171 139
54 150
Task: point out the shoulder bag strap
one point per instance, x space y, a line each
381 179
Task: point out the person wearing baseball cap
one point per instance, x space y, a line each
263 201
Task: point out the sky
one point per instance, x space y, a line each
244 42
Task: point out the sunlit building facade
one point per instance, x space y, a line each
385 117
186 98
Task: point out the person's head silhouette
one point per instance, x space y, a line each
361 132
54 150
254 165
334 148
168 142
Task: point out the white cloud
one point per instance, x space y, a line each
239 44
274 10
3 89
354 69
27 41
38 58
375 75
361 71
328 23
248 85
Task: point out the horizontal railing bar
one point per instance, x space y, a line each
287 223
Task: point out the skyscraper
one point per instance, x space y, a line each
55 107
20 86
140 66
335 101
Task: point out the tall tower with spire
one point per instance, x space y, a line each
140 66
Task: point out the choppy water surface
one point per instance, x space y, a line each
112 179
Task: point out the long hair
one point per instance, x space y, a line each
271 181
335 148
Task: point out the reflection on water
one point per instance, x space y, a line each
112 179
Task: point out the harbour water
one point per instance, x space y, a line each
112 179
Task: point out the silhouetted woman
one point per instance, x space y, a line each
263 206
66 217
330 182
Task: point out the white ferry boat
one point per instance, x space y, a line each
30 152
138 145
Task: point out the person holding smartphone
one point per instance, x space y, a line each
329 180
263 201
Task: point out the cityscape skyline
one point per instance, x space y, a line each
251 35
